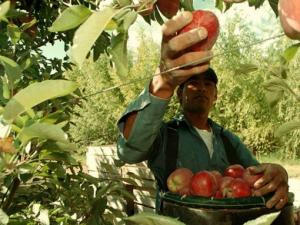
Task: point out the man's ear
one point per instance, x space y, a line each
179 94
216 96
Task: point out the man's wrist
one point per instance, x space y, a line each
161 88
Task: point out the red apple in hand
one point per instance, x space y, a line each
203 184
251 178
289 14
208 20
238 188
235 171
179 181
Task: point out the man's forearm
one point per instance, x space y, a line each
159 88
129 121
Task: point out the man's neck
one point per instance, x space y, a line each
198 120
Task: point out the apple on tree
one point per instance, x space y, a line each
289 14
168 8
179 181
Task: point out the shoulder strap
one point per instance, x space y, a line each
171 150
229 149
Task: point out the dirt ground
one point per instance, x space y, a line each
294 181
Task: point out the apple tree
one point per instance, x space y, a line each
41 181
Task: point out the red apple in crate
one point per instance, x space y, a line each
203 184
289 14
251 178
179 181
208 20
218 177
218 195
238 188
235 171
224 185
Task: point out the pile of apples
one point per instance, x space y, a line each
236 182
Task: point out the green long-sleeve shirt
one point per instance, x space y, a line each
192 151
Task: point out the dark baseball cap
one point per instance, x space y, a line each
209 74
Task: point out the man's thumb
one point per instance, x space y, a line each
256 169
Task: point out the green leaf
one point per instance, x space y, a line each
101 44
286 128
276 84
86 35
5 87
35 94
219 5
246 68
158 16
61 146
27 25
128 19
52 118
274 90
3 217
12 69
26 63
4 8
119 53
152 219
123 3
14 33
99 206
57 156
24 177
256 3
111 25
70 18
187 5
42 131
25 168
274 6
291 51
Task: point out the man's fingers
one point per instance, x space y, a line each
183 75
177 22
257 169
266 186
188 39
264 180
197 57
279 199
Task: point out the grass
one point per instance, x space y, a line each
291 165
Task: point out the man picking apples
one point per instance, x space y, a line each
144 135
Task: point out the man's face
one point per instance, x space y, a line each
198 95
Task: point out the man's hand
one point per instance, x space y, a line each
274 179
172 55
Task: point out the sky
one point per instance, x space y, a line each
262 21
